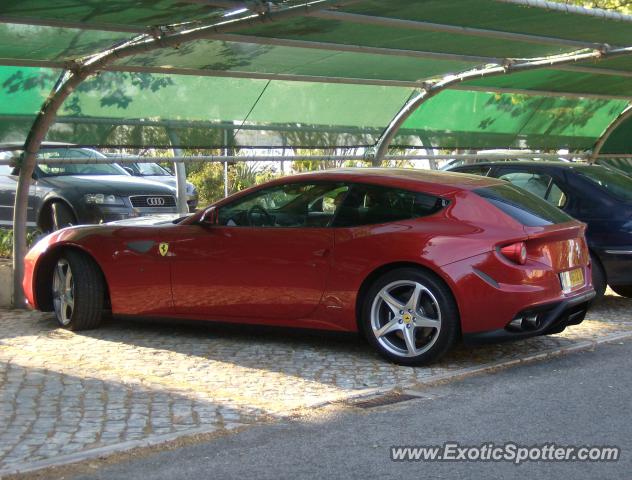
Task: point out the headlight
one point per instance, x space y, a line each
191 190
103 199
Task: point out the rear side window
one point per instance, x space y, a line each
539 184
372 204
526 208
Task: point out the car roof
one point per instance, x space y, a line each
528 163
430 181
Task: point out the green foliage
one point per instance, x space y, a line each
208 178
6 241
623 6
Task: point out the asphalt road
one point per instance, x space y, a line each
579 399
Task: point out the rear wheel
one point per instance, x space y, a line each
78 291
410 317
61 216
598 278
623 290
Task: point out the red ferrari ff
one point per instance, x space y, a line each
415 260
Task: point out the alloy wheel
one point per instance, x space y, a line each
406 318
63 291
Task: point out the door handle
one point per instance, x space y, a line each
322 253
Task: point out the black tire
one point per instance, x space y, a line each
623 290
87 292
449 330
598 278
61 216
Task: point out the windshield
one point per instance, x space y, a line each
617 183
49 168
151 169
58 169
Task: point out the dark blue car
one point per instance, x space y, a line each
594 194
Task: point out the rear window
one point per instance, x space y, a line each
526 208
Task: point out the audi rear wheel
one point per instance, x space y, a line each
410 317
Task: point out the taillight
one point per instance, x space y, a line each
516 252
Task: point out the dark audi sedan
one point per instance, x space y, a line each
71 194
594 194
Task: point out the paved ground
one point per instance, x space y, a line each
63 395
578 399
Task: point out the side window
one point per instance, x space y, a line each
285 206
539 184
556 196
372 204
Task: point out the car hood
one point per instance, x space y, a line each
169 180
149 220
121 185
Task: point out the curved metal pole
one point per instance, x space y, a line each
616 123
45 118
79 71
180 171
433 88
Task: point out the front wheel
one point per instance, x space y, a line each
410 317
623 290
78 291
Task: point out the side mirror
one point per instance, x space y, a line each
129 170
209 217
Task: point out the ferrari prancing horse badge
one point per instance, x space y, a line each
163 248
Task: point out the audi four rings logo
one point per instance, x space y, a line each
155 201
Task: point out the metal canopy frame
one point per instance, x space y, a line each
433 88
257 12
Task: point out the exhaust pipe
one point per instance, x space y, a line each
531 322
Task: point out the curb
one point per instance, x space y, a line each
348 400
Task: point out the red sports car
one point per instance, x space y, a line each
415 260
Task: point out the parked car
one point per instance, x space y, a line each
70 194
413 259
594 194
153 171
484 158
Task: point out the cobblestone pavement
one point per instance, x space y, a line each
64 393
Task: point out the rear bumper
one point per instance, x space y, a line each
552 317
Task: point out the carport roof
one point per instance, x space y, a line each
334 78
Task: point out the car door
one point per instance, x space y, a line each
267 256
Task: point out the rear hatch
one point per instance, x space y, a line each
552 238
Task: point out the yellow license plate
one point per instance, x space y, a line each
572 279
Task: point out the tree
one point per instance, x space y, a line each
622 6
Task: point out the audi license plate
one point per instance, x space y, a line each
572 279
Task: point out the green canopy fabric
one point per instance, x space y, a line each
478 120
334 79
620 141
